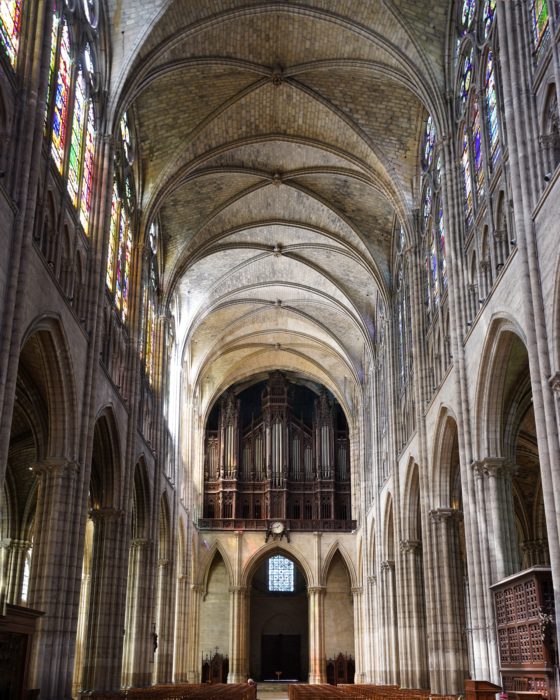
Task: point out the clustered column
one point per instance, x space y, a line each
138 642
316 595
238 670
451 669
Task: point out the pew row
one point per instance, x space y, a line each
190 691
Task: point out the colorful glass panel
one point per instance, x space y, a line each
127 259
477 149
401 335
466 167
10 27
401 239
429 143
434 281
126 140
77 138
52 64
441 237
60 113
113 239
437 171
149 339
87 170
467 14
427 207
280 574
492 111
428 288
119 265
539 11
488 16
466 76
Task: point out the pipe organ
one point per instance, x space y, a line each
275 464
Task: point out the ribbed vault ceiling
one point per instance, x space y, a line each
279 143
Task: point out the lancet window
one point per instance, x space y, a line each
70 122
119 256
10 28
433 238
540 26
403 324
479 144
150 302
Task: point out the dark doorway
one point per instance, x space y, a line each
281 653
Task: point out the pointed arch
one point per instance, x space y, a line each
444 459
411 503
338 547
205 564
46 346
164 533
503 338
141 501
106 466
389 530
271 549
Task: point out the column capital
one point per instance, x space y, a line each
238 589
494 467
554 382
55 467
21 545
388 565
316 590
439 515
105 514
410 546
197 588
139 543
372 580
163 563
356 590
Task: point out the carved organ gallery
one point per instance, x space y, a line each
277 451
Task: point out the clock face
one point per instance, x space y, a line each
277 528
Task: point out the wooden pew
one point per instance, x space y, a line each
186 691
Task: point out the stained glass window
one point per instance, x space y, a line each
466 76
401 322
125 135
150 295
52 64
402 239
539 12
429 143
113 239
10 27
77 138
433 263
492 110
466 167
122 268
427 208
477 149
428 301
280 574
149 337
87 170
441 237
467 14
488 16
60 114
